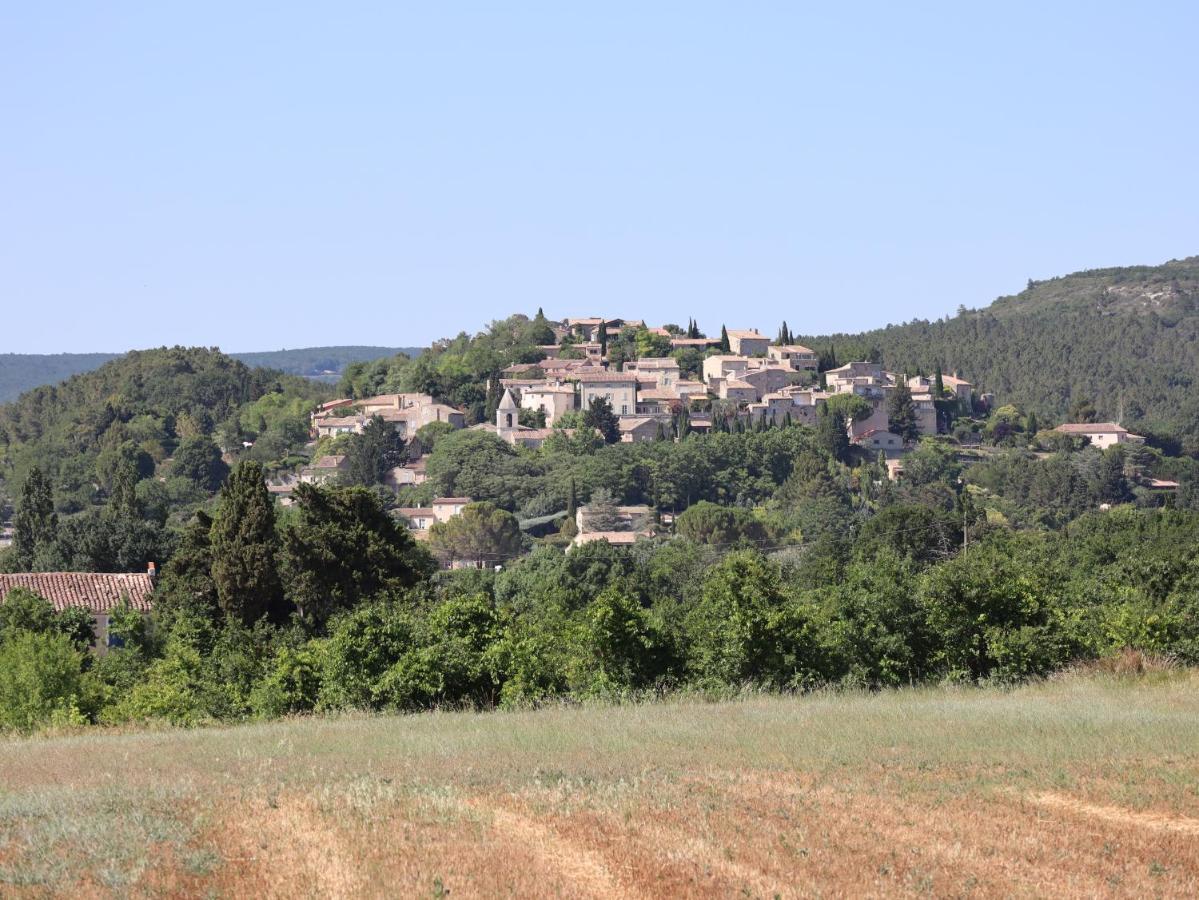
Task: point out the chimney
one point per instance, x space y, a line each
152 570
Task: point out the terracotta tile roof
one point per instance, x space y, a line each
1092 428
752 333
97 591
629 423
622 377
612 537
328 462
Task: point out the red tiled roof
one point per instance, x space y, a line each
1092 428
328 462
96 591
612 537
602 376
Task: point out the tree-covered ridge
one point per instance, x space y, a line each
21 372
143 409
1126 339
319 362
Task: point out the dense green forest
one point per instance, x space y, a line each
1124 339
333 606
21 372
149 432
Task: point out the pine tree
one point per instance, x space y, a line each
243 548
725 347
36 524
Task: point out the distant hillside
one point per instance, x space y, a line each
138 408
1127 339
20 372
324 363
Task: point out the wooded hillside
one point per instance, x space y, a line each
1126 339
21 372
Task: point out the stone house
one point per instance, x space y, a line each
748 342
100 593
634 429
796 356
662 371
618 388
324 469
554 398
1101 434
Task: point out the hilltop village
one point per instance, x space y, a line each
623 381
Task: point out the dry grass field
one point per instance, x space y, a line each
1082 786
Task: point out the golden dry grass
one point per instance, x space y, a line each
1083 786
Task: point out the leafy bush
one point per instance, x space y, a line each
40 681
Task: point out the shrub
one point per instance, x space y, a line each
291 684
40 681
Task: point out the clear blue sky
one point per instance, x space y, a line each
258 176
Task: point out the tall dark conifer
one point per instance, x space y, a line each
243 548
36 524
901 414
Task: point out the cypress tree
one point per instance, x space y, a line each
725 347
36 523
495 394
938 386
603 338
243 548
901 414
572 500
684 423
